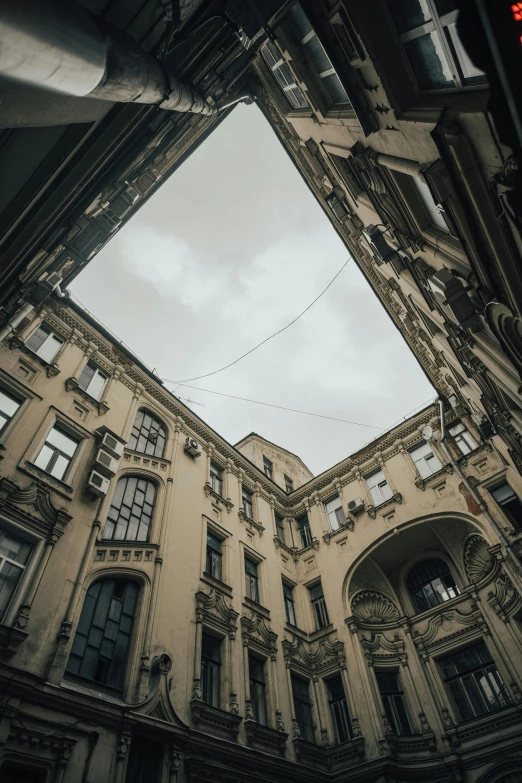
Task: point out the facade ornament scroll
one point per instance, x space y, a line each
478 560
213 609
373 607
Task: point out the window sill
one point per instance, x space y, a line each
216 583
216 720
248 521
422 483
71 384
492 721
327 537
296 631
411 743
218 498
114 542
291 550
315 635
464 459
90 688
314 545
250 604
51 369
433 611
55 484
265 738
372 510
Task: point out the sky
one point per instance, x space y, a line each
230 249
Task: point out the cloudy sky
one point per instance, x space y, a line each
229 250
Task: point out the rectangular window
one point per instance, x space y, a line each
379 488
475 684
288 595
289 484
246 499
14 556
257 688
463 438
145 761
44 343
426 462
303 708
284 76
251 580
393 702
92 381
335 513
339 710
268 467
510 502
214 556
56 454
319 606
305 533
8 407
216 478
280 528
210 669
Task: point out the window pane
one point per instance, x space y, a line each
409 14
97 385
470 73
503 493
59 468
50 348
44 457
429 62
300 21
86 376
9 578
37 339
8 404
13 547
335 89
317 54
62 441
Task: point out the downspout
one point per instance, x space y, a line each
504 544
13 322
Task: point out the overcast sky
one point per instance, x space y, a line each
229 250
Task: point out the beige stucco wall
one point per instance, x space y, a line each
285 463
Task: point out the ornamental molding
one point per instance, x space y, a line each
505 600
250 522
318 660
374 510
213 610
33 506
51 369
380 641
445 621
218 498
257 635
371 607
478 560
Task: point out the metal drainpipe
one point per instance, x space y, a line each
504 544
57 47
15 320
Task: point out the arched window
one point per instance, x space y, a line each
131 510
101 644
148 435
430 583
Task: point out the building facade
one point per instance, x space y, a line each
173 614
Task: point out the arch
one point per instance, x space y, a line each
430 583
506 771
149 434
131 510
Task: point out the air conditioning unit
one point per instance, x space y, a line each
45 287
110 443
356 506
192 447
381 249
106 463
97 484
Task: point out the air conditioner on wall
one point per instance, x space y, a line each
106 463
97 484
110 443
192 447
356 506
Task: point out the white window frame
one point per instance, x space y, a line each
426 463
51 337
377 486
463 436
28 570
97 373
333 518
291 91
215 480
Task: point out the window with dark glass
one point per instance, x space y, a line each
92 380
303 708
148 435
44 343
335 513
12 772
510 503
475 684
101 643
430 583
319 606
426 462
251 580
210 669
8 407
463 438
246 499
268 467
145 760
216 478
56 454
303 526
14 556
214 556
256 670
131 510
283 76
434 213
339 710
289 484
393 702
280 528
288 596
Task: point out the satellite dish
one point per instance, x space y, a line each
427 432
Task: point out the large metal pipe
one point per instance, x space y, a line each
56 46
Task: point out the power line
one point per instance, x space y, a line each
208 374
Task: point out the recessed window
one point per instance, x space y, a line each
251 580
435 213
393 702
339 710
56 454
101 643
303 707
475 684
8 407
283 76
463 438
268 467
210 669
305 534
319 606
510 503
426 462
280 528
145 760
289 484
14 556
216 479
430 583
335 513
246 499
148 434
131 510
44 343
92 381
288 596
256 671
214 556
379 488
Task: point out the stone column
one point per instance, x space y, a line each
227 480
371 704
122 754
249 712
350 699
233 704
174 763
209 449
319 709
274 691
295 726
25 608
423 675
196 681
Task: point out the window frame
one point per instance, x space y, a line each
245 491
291 86
162 427
460 436
333 512
280 527
502 506
289 600
215 666
452 585
390 707
251 578
154 504
423 459
289 484
306 728
210 551
340 715
255 701
9 423
268 468
378 486
57 453
51 334
97 372
36 543
304 531
319 608
215 477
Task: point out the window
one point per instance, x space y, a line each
475 684
14 556
8 407
379 488
335 513
305 533
44 343
210 666
510 503
284 76
430 583
428 33
214 556
145 760
246 499
92 381
317 55
392 699
435 213
131 510
339 710
19 773
463 438
216 479
288 596
268 467
148 434
426 462
101 643
289 484
257 688
280 528
56 454
319 606
303 708
251 580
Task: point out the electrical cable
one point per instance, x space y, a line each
215 372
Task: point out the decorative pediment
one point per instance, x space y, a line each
33 506
448 622
325 655
380 645
157 704
478 560
372 607
255 632
506 600
212 608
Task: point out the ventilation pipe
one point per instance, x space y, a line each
57 47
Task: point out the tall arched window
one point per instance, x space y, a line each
148 434
430 583
131 510
101 644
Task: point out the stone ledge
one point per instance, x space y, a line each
218 498
71 384
50 368
265 738
219 722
